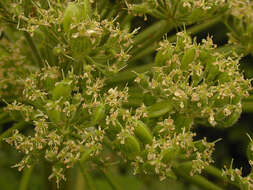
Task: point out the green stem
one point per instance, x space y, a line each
193 30
34 49
127 19
229 49
17 126
87 177
26 178
218 174
215 172
247 106
196 179
3 117
129 74
145 34
153 37
111 180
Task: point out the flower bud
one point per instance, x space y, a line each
49 77
98 114
188 58
52 111
75 13
170 154
182 121
162 57
113 130
157 129
229 120
159 109
87 153
62 89
171 175
211 70
131 147
143 133
58 50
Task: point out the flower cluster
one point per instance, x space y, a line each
179 12
56 81
235 177
66 112
240 25
196 82
11 70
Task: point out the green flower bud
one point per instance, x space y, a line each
170 154
188 58
149 99
159 109
63 89
49 79
157 129
58 50
171 175
87 153
77 99
131 147
200 145
53 113
113 130
224 77
80 45
162 57
230 120
143 133
75 13
98 114
51 156
182 121
211 69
